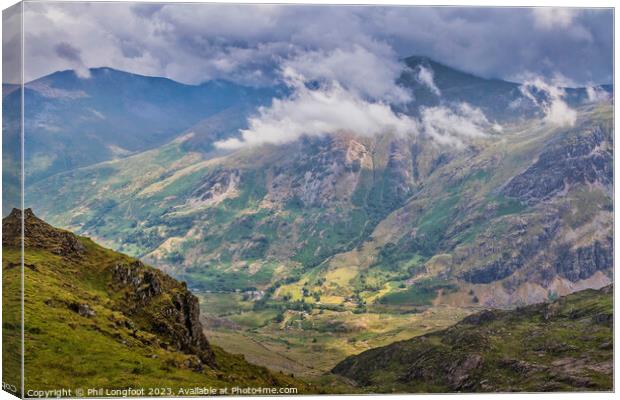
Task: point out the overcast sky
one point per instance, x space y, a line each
251 44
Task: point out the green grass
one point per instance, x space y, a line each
420 293
563 346
114 348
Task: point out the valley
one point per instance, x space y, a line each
307 252
88 307
310 343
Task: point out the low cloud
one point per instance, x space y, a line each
72 54
454 126
368 74
320 104
596 94
550 98
426 77
326 110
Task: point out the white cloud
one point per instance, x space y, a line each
330 109
454 126
369 74
553 17
192 43
596 94
426 77
550 99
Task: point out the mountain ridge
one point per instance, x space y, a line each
412 60
100 310
73 122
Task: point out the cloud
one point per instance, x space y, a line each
72 54
248 43
327 110
425 77
549 98
321 105
596 94
368 74
68 52
552 17
454 127
12 44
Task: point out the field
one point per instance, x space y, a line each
308 343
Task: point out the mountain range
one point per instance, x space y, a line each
72 122
331 236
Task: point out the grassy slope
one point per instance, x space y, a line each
111 349
564 345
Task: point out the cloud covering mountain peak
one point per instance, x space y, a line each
192 43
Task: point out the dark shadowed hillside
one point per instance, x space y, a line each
565 345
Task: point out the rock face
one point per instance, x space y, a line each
217 187
172 311
564 345
582 262
38 234
525 243
584 159
177 319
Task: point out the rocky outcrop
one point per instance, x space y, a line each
144 282
218 186
172 311
520 245
580 159
326 171
38 234
399 171
582 262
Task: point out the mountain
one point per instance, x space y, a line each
72 122
96 318
401 208
354 242
565 345
357 242
500 100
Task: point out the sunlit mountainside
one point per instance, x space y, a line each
350 240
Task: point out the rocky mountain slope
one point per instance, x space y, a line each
96 318
353 217
565 345
73 121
